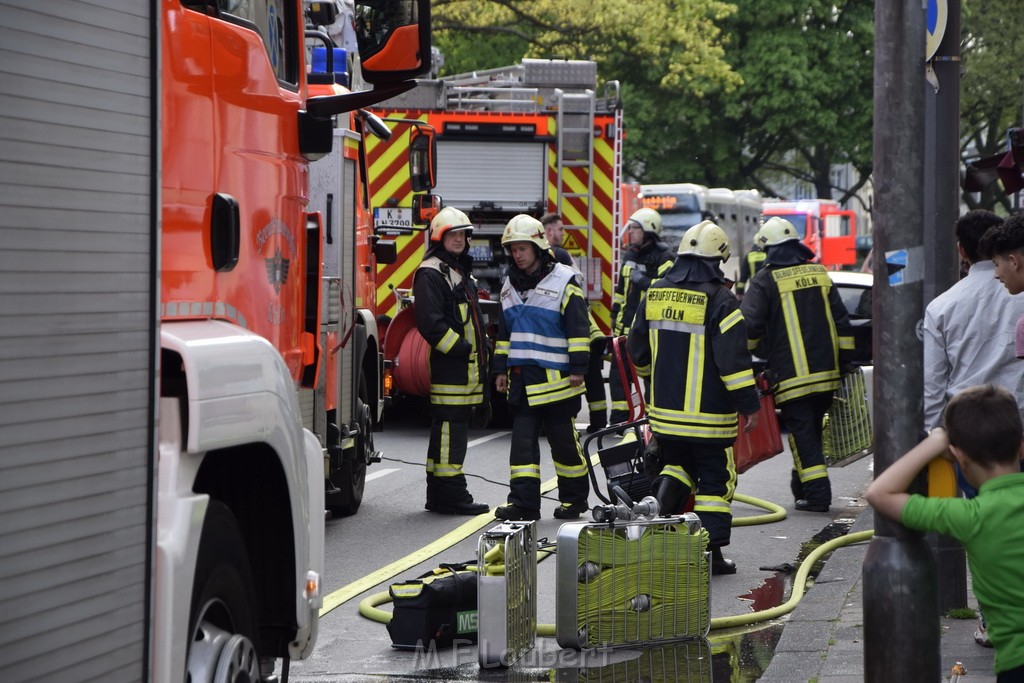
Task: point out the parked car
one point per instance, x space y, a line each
855 289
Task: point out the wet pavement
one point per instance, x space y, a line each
821 640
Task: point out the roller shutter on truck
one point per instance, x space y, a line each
510 175
78 222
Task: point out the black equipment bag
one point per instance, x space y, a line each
435 609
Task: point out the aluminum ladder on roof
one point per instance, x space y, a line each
575 150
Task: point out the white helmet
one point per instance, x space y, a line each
523 228
705 240
449 219
774 231
648 219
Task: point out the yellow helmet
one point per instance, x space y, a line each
448 219
774 231
648 219
705 240
523 228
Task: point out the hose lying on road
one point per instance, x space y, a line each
368 607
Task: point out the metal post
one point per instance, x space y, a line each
901 617
942 264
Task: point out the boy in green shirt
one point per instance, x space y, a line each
983 434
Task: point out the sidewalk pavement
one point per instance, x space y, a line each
823 640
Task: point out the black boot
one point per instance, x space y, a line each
431 503
795 485
720 565
671 494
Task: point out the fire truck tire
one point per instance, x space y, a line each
222 620
351 476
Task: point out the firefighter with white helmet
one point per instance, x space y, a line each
645 258
797 321
540 359
689 339
448 317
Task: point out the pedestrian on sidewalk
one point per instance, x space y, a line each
540 358
961 347
797 321
645 258
982 433
593 380
448 317
688 337
1005 244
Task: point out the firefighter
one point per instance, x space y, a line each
752 263
540 359
646 258
797 321
448 317
689 339
597 401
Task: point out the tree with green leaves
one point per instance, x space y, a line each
992 54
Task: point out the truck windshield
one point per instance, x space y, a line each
799 221
679 212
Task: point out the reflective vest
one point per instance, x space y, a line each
690 339
537 335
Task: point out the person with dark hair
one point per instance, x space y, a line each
539 359
448 317
982 434
597 401
961 347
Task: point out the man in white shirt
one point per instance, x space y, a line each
968 330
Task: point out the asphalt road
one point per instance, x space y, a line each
393 538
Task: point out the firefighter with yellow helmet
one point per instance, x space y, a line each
646 258
448 317
689 339
540 359
796 320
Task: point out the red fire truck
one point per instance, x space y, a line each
531 138
823 225
181 329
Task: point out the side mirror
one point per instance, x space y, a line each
422 159
424 208
394 39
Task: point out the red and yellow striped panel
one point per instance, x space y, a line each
389 186
600 242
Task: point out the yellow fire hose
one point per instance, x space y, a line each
368 607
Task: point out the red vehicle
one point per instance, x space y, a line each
532 138
824 226
196 325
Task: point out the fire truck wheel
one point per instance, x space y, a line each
351 476
221 621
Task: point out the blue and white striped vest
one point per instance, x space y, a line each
537 336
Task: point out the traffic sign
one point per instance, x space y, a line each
935 25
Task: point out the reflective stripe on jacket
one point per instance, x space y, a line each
690 339
797 321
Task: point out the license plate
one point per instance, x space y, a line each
392 218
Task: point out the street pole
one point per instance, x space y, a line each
901 615
942 263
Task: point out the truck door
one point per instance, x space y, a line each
838 237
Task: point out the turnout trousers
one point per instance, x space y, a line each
446 453
705 469
803 420
557 421
597 401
